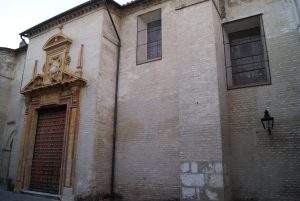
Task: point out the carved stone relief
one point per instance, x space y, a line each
56 69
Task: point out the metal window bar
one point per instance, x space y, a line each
149 42
249 67
233 44
159 28
263 68
264 53
153 34
247 56
140 44
152 44
157 47
261 36
263 61
158 41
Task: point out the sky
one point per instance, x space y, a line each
17 16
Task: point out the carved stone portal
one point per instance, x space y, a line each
56 86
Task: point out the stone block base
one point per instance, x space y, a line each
202 180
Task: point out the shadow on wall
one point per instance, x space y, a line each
6 160
108 197
98 197
247 199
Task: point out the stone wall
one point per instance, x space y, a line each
7 69
199 94
267 167
105 103
15 109
223 101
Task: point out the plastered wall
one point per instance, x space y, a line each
105 104
15 108
147 160
7 69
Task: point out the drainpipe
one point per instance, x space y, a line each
297 5
112 184
22 78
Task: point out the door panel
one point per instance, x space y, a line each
48 150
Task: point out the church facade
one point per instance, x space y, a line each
157 100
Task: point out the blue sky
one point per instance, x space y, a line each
18 15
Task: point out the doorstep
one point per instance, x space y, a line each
46 195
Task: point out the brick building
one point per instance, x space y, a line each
155 101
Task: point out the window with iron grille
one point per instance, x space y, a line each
246 53
149 37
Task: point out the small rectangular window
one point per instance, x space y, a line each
247 62
149 37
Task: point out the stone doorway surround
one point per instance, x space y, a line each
56 86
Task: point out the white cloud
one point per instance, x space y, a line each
18 15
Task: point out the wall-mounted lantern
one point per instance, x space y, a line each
268 122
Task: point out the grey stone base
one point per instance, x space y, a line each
202 180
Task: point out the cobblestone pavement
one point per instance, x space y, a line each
10 196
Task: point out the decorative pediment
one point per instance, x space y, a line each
57 40
56 71
59 79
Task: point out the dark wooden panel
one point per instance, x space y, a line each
48 149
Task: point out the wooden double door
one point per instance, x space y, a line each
48 150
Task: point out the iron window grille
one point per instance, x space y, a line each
247 62
149 43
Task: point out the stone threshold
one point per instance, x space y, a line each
45 195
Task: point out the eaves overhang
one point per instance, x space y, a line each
76 12
67 16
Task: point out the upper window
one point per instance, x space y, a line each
246 53
149 37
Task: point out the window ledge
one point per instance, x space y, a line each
150 60
249 85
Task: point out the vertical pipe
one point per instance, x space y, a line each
112 190
22 78
297 5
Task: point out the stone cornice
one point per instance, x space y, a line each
66 16
78 11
